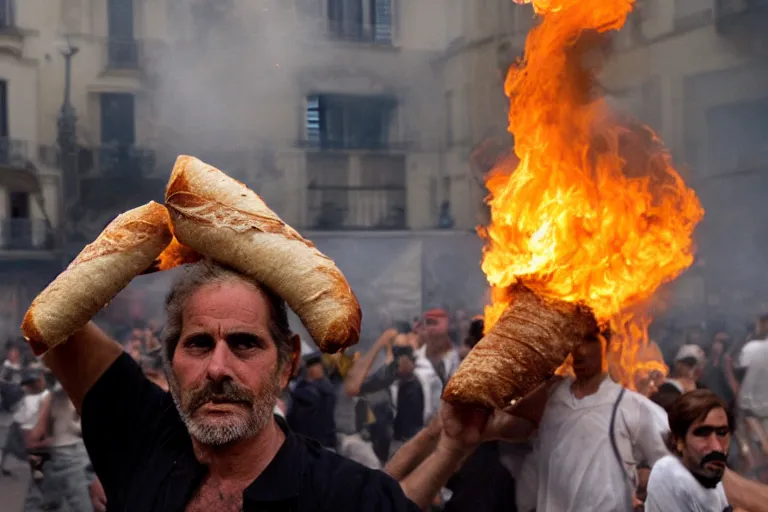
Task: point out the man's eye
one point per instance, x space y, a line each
243 341
198 342
722 432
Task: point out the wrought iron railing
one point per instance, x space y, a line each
356 208
26 235
119 160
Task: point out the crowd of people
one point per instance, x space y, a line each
577 443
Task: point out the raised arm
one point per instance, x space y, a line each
425 463
359 371
82 360
57 323
745 494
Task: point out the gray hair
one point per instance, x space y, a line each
205 272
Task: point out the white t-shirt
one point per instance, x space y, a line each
750 351
577 467
29 410
672 488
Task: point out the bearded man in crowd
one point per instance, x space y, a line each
691 478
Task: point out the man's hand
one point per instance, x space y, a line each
463 426
470 426
386 338
98 497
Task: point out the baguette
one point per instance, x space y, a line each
221 218
126 247
529 342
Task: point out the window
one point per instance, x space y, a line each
361 20
117 119
449 118
335 121
7 14
19 205
381 21
6 150
122 52
3 109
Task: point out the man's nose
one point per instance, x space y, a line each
218 364
716 443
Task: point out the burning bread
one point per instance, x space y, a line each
530 341
126 247
221 218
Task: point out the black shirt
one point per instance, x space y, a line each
409 409
311 414
142 453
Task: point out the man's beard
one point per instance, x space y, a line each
707 477
232 427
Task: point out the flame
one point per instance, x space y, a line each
176 254
590 207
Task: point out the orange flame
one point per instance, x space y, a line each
590 208
176 254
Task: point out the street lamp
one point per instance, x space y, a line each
67 141
67 127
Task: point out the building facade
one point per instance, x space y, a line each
333 110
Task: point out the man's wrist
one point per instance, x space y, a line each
453 448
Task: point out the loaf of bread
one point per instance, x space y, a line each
126 248
529 342
221 218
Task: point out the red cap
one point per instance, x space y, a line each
436 313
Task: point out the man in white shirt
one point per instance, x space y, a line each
690 480
66 472
592 436
754 346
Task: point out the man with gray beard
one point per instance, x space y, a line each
228 354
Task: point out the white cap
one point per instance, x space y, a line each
690 351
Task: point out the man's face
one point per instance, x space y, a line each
406 340
14 355
405 367
315 372
645 384
718 347
225 376
434 329
588 360
705 448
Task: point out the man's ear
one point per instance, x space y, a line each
292 369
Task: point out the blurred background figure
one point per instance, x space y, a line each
313 403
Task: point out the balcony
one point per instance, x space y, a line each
356 208
117 161
113 174
744 21
356 192
26 235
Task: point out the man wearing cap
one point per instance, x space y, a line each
313 401
437 345
683 376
